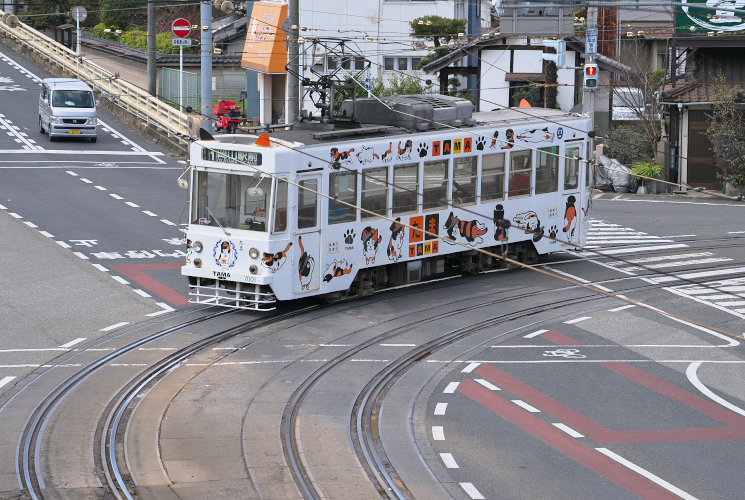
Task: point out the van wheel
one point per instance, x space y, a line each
94 139
52 139
41 127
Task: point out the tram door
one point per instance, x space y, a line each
307 238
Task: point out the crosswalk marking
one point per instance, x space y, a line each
714 297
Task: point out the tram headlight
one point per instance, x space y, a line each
253 269
253 253
197 262
197 246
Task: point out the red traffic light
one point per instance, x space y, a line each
591 70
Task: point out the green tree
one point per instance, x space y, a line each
121 13
727 133
440 30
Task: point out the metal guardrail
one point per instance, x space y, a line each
129 97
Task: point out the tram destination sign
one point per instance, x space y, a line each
229 156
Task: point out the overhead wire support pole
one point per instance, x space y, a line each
152 69
206 62
293 63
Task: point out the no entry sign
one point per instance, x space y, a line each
181 28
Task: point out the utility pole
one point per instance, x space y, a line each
206 60
293 62
152 69
474 25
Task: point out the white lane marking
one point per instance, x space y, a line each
691 373
735 232
100 188
577 320
73 342
451 387
438 433
44 233
604 288
576 278
100 268
166 221
680 263
115 196
72 173
471 367
526 406
618 251
568 430
132 204
13 131
148 212
114 327
660 258
640 200
449 461
141 293
398 345
165 309
6 380
681 236
3 207
82 255
441 408
535 334
616 309
471 491
63 244
87 181
702 300
487 384
703 274
648 239
15 215
644 472
121 280
30 224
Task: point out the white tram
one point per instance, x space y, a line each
279 219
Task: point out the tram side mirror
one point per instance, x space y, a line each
255 191
183 184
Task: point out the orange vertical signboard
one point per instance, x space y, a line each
266 40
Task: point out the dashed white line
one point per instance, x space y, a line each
441 408
451 387
438 433
616 309
87 181
72 343
115 196
141 293
165 309
121 280
576 320
617 251
101 268
471 491
6 380
63 244
30 224
449 461
100 188
82 255
114 327
487 384
643 472
44 233
132 204
526 406
148 212
15 215
568 430
535 334
398 345
72 173
166 221
471 367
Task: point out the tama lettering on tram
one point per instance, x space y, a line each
230 156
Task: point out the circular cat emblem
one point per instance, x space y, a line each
225 254
715 19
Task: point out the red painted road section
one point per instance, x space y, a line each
567 445
137 273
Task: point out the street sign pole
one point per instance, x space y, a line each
79 14
181 28
181 77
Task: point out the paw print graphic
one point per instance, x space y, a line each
423 149
553 231
349 236
480 142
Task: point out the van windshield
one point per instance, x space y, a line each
72 99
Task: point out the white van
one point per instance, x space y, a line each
67 108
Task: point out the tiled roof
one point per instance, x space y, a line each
702 69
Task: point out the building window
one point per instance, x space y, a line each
415 62
343 192
521 173
464 180
332 62
492 177
403 63
547 170
375 192
405 188
388 63
525 90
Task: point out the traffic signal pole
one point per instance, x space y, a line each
205 25
589 97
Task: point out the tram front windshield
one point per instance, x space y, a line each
231 201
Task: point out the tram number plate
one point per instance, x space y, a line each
221 275
75 132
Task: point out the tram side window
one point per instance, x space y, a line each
492 177
464 180
521 173
280 206
307 203
375 192
571 168
405 188
343 187
435 183
547 170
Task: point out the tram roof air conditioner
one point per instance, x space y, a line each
413 112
